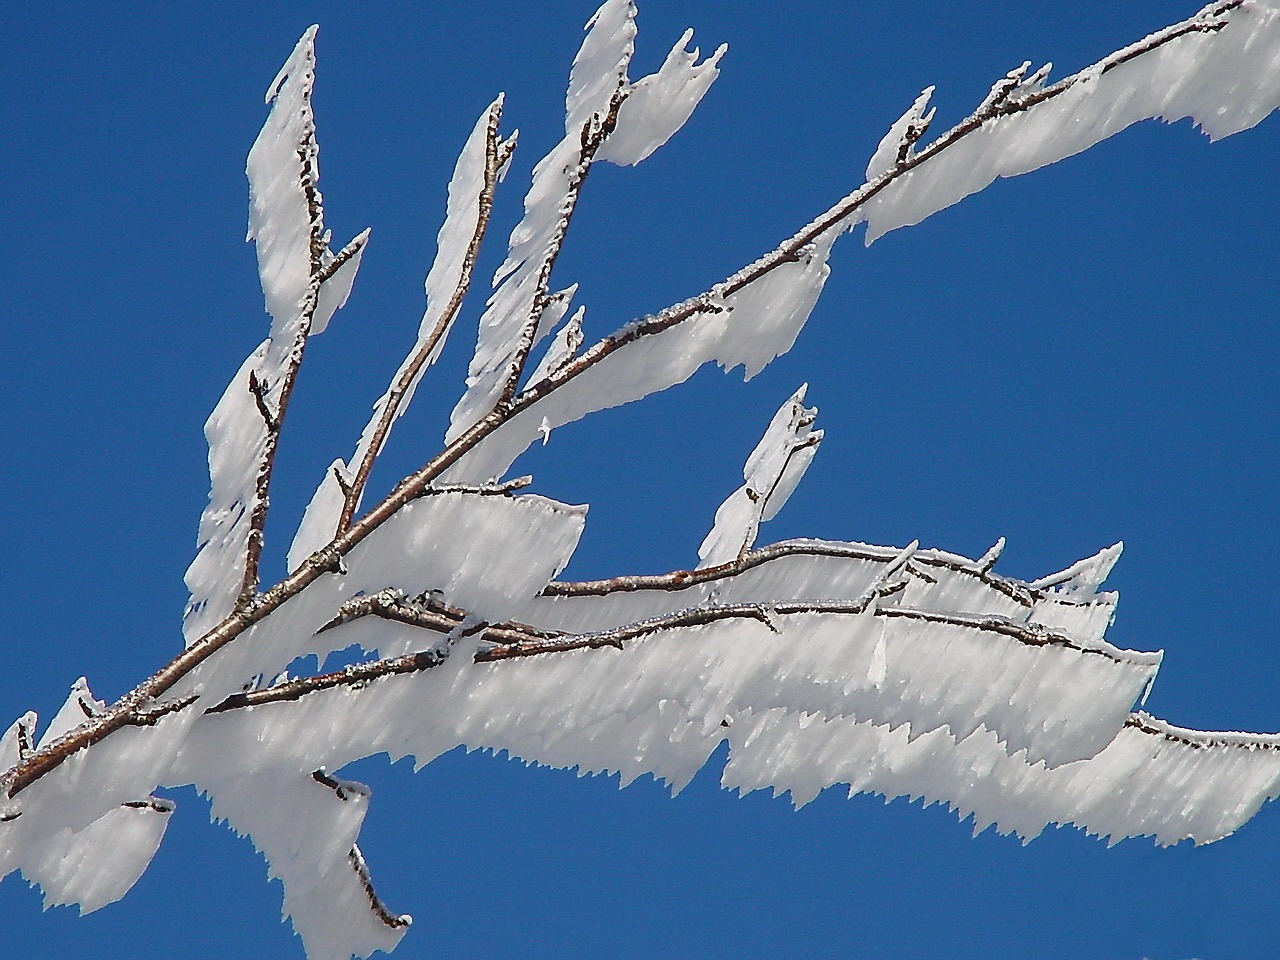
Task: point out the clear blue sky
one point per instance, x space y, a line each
1082 355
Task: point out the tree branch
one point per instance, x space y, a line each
259 606
496 156
594 132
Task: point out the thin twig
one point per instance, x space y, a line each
594 132
496 156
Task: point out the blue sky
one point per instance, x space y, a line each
1079 356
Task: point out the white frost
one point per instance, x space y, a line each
462 217
658 105
771 473
1225 79
1152 779
751 327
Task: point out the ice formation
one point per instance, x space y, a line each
900 671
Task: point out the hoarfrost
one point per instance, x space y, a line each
1222 71
772 472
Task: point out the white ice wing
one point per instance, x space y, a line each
599 72
80 705
445 278
320 520
17 741
898 144
462 219
337 276
1221 69
237 435
88 786
600 67
792 473
1040 693
305 826
1153 779
771 473
1082 578
750 328
98 864
563 347
486 552
660 704
285 209
658 105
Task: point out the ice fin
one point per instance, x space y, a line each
16 744
658 105
771 473
80 705
1083 577
899 143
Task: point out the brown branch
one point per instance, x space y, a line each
326 561
1202 739
496 156
358 864
683 579
510 641
320 272
594 133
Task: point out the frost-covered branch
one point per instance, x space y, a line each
894 670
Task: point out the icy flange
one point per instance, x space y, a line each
1153 779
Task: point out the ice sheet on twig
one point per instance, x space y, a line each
487 552
659 104
599 72
303 284
1223 72
305 825
100 863
771 474
1153 779
748 328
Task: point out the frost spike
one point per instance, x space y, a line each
1084 576
80 705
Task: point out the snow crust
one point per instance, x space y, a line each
771 474
1225 80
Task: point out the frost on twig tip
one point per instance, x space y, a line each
771 473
